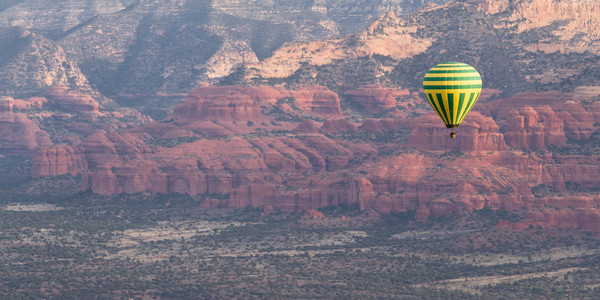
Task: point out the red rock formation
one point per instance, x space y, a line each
336 156
422 213
307 126
574 169
534 129
376 99
232 103
59 160
370 125
116 166
366 194
210 129
228 103
99 151
445 185
18 134
318 100
538 120
278 156
6 104
515 134
578 122
33 102
302 170
384 203
338 125
476 133
500 108
245 170
72 101
263 95
585 219
392 124
316 160
226 107
380 125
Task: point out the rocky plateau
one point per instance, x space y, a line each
208 147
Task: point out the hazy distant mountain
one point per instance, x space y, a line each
30 63
142 47
513 45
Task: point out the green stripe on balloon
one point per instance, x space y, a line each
461 101
451 87
451 108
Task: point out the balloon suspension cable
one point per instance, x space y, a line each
453 129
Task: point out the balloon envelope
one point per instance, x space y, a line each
452 89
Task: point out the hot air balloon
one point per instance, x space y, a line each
452 89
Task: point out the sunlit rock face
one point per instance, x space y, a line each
476 134
32 62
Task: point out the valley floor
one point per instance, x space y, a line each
166 247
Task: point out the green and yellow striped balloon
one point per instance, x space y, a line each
452 89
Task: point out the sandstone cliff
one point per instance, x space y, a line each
59 160
303 170
376 99
19 135
318 100
72 101
477 133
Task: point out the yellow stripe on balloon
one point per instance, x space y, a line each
454 82
451 69
447 107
